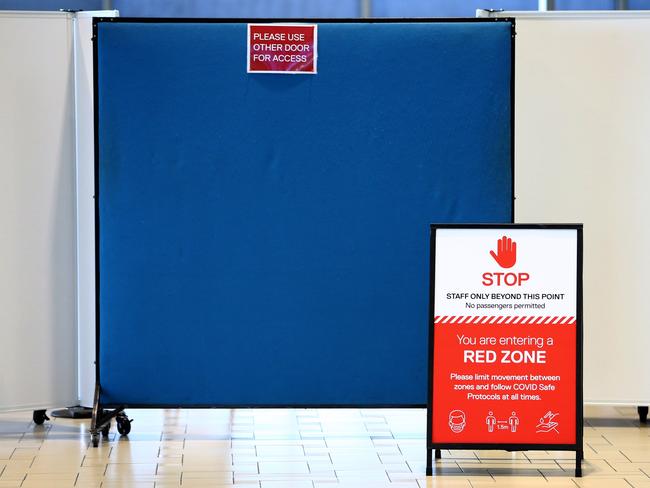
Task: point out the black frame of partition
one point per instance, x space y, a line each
578 446
101 417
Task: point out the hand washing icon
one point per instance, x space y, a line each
547 424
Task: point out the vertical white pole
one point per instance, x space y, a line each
366 9
546 5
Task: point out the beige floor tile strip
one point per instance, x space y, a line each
309 448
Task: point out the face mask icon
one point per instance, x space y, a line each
456 421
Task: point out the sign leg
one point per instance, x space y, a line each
429 463
579 456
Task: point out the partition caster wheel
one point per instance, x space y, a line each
643 414
39 417
123 424
106 429
94 438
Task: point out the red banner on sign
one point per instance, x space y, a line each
282 48
501 381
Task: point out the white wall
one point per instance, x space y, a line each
47 331
38 323
582 136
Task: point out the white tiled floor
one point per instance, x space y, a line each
304 449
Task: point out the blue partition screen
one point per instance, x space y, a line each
262 238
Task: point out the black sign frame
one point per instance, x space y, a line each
578 446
